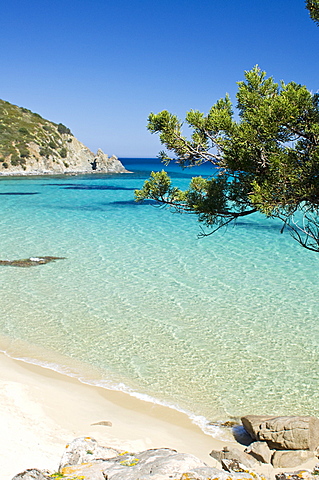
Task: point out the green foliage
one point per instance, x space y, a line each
63 129
51 144
63 152
46 152
24 131
267 161
313 7
15 160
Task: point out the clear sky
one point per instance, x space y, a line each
101 66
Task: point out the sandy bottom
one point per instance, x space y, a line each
41 411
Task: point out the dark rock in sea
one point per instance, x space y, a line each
29 262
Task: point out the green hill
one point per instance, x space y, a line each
32 145
19 126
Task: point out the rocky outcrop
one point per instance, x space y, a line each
85 459
284 433
77 159
252 424
155 464
282 441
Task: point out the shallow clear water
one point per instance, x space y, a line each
220 327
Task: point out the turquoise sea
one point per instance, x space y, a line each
218 327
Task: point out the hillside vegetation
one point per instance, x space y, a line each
19 127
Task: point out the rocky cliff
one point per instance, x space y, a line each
31 145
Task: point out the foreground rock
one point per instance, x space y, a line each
85 450
85 459
157 464
284 433
290 458
33 474
234 454
282 441
299 475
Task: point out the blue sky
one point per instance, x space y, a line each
100 66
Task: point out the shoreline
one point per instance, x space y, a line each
42 410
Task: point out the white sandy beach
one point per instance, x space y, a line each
41 411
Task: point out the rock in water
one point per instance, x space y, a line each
29 262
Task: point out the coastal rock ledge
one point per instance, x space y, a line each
284 442
85 459
78 160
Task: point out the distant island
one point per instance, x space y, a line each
31 145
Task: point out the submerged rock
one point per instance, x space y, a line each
29 262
